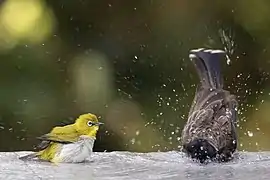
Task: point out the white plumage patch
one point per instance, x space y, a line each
75 152
212 51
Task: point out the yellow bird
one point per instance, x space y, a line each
71 143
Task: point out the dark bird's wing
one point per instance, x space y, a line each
210 129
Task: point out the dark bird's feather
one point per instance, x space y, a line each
210 131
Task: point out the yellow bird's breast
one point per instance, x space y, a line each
70 153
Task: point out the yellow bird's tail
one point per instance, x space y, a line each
29 157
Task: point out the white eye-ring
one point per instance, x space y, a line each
90 123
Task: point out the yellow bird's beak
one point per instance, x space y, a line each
99 123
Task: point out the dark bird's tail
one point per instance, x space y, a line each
208 67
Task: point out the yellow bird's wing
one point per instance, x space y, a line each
63 135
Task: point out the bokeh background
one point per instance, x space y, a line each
127 62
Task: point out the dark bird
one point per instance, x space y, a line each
210 131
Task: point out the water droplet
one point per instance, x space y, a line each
250 134
132 141
228 60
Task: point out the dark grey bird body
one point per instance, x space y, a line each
210 131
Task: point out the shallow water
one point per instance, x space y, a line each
132 166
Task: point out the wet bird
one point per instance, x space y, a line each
71 143
210 131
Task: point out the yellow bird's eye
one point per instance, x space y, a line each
90 123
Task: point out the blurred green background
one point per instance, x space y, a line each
127 62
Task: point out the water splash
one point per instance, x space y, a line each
228 43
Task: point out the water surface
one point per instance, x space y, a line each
134 166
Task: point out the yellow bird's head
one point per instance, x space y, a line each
87 124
